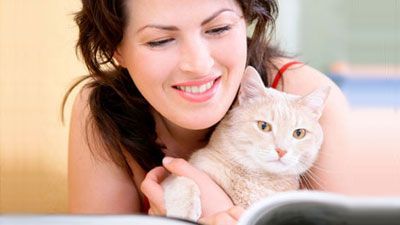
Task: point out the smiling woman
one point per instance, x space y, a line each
162 74
176 69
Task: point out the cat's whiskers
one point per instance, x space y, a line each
289 178
309 184
317 182
304 181
316 166
313 175
315 179
320 168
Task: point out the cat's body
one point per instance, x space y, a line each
260 147
243 186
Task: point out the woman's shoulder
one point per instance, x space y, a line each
93 179
80 91
82 103
81 100
81 119
301 79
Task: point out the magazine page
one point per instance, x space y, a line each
311 207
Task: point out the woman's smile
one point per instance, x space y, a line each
198 91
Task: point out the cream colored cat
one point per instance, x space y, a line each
260 147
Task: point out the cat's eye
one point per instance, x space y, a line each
299 133
264 126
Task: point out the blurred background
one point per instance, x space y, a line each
355 42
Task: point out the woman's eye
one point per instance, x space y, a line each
264 126
299 133
159 43
218 30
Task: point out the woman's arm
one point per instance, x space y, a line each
208 188
217 207
330 172
95 185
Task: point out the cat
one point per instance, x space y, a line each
261 147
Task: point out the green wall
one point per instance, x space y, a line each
357 31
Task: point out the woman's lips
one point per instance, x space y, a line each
198 91
197 82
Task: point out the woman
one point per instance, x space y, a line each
162 74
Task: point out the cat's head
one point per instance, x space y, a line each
274 131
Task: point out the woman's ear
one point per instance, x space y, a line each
118 56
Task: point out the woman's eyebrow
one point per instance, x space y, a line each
174 28
215 15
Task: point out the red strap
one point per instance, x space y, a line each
281 71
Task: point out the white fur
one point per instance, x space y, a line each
182 198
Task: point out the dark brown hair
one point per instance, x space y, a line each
119 114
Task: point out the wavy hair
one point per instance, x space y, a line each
119 114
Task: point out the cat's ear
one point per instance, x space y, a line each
251 85
316 100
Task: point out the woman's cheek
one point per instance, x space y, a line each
153 67
233 49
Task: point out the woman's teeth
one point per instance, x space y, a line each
196 89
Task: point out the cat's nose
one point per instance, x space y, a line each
280 152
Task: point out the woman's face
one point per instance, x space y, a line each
186 57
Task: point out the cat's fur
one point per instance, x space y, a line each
242 158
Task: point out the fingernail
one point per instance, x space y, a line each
166 160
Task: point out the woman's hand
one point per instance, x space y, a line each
152 189
213 199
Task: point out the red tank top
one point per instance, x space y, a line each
281 71
145 203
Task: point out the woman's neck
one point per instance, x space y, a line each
179 142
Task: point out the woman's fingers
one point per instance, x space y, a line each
181 167
157 175
152 189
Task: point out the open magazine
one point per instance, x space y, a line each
320 208
290 208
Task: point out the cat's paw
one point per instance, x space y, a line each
182 198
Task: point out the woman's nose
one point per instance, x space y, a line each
196 58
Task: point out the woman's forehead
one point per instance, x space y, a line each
141 12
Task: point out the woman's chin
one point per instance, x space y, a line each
199 124
202 119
